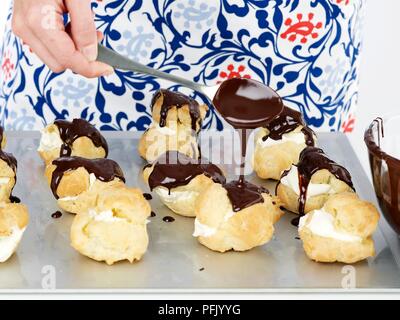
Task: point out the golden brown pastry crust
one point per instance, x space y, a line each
184 205
74 190
124 239
81 147
270 162
351 215
246 229
290 200
12 215
153 143
178 115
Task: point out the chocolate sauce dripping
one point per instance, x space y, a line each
1 134
176 99
311 160
174 169
70 131
246 104
104 169
287 121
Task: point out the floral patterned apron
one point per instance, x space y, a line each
307 50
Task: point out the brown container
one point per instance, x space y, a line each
385 169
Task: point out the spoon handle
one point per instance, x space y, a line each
118 61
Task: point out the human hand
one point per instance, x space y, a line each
39 23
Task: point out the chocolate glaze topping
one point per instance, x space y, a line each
70 131
286 122
174 169
176 99
243 194
311 160
246 104
104 169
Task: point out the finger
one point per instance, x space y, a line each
83 29
40 50
63 48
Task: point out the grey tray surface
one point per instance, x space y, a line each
175 260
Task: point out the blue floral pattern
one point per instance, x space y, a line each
307 50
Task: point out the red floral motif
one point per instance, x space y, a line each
233 74
346 2
348 125
7 66
303 28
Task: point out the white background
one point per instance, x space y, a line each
379 86
379 90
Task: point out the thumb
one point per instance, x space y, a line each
83 29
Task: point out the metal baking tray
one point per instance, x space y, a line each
175 260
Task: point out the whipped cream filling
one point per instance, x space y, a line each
202 230
49 141
291 180
174 196
92 180
296 137
166 131
4 180
105 216
321 223
10 243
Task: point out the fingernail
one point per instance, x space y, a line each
108 72
90 52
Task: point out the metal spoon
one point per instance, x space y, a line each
118 61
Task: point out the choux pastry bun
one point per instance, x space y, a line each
179 180
278 146
76 138
307 185
341 230
114 228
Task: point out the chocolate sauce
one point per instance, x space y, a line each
153 214
174 169
56 215
70 131
1 134
14 199
311 160
385 171
147 196
295 221
287 121
168 219
246 104
176 99
104 169
243 194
